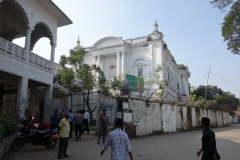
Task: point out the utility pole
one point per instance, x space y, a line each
207 84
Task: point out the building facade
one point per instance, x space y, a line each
138 57
21 69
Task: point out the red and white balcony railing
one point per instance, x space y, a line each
18 52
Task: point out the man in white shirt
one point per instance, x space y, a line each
119 143
86 122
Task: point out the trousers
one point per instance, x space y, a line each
103 130
85 121
62 148
78 130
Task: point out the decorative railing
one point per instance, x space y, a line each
19 52
39 61
87 49
136 40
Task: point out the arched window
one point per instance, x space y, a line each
139 65
112 72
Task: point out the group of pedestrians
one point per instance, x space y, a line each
64 123
118 140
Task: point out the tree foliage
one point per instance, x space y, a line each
216 94
116 83
221 4
231 24
82 78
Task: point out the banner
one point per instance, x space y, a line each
134 83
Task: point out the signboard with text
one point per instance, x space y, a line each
134 83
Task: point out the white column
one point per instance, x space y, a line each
47 96
27 43
22 96
94 59
118 63
98 60
123 65
94 63
52 55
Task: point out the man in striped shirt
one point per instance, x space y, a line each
119 143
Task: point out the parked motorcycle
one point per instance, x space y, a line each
31 125
48 138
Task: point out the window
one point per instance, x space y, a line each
140 72
112 72
168 77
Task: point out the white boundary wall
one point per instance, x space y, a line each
166 118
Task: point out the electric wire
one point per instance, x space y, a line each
225 80
199 79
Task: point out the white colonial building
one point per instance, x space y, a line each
138 57
21 69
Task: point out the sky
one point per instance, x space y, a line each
191 29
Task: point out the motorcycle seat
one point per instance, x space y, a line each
40 132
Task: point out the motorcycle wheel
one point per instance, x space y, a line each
50 143
18 143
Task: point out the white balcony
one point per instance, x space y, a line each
19 53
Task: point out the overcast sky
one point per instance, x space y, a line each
191 29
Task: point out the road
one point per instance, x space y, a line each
174 146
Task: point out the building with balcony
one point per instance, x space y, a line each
138 57
20 68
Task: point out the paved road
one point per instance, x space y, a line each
175 146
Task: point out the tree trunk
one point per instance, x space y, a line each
88 106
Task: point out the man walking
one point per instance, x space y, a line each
86 122
55 119
71 123
103 120
78 124
119 143
208 142
63 129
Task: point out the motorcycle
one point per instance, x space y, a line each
48 138
31 125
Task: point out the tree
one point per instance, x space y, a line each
228 99
211 92
153 78
82 78
221 4
231 24
216 94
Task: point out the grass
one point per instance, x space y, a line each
92 128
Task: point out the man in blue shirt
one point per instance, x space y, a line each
71 123
55 119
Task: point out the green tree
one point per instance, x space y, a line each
153 78
82 78
228 99
116 83
211 92
231 24
216 94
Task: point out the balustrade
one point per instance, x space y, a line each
136 40
18 52
87 49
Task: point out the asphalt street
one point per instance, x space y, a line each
174 146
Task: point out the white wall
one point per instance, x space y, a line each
178 110
169 118
156 116
194 117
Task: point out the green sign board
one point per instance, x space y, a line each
134 83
